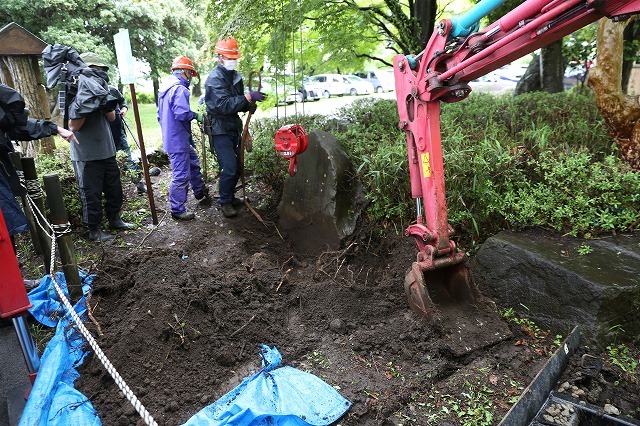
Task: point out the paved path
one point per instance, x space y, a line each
321 106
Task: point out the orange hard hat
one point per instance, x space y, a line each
228 47
183 63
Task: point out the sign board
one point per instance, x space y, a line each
125 58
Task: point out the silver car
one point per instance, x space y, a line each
330 84
358 86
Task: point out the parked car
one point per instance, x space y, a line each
293 95
511 72
310 90
330 84
358 86
382 80
492 83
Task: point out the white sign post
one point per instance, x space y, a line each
125 58
128 76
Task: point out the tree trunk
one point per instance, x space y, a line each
425 13
552 67
545 71
530 81
620 111
23 74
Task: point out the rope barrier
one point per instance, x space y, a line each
33 187
61 229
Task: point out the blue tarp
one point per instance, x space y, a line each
53 400
282 397
274 396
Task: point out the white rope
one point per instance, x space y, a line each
122 385
33 188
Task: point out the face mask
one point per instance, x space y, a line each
230 64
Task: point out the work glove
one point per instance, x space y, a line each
253 107
257 96
199 117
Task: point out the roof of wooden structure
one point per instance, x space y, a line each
15 41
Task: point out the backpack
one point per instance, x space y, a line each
82 89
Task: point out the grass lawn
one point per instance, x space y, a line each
150 126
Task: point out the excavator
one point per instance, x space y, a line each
457 53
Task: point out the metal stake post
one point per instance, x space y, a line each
27 346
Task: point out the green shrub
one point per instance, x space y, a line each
378 151
141 98
134 208
570 192
60 163
539 159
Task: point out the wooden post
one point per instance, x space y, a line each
35 192
143 155
62 229
28 212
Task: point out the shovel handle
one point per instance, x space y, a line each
252 75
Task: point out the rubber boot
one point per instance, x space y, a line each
116 222
97 234
203 197
228 210
185 215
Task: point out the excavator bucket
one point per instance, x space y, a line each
425 290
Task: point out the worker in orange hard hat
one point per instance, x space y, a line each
184 63
225 98
174 116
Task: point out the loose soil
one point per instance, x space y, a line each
183 308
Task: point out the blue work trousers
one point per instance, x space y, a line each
185 169
227 150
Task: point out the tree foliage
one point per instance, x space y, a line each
322 36
159 31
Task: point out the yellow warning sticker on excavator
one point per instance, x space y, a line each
426 166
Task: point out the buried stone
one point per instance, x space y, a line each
321 203
560 287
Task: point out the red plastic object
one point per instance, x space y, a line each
291 140
13 295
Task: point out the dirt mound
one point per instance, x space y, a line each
183 316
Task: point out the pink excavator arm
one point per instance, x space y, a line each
453 57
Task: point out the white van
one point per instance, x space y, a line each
330 84
382 80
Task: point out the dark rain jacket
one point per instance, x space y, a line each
15 124
224 97
116 125
86 90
